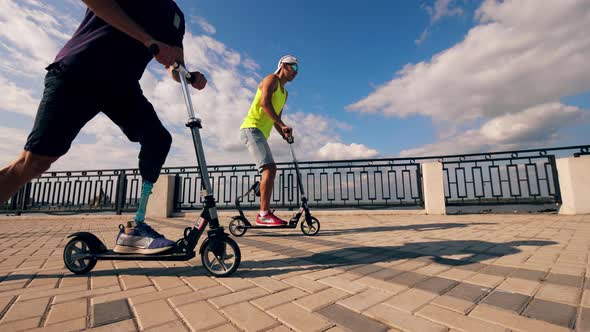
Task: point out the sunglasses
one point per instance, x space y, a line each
294 66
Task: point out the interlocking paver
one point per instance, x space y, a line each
110 312
26 309
409 272
306 284
403 320
411 300
456 320
562 294
67 311
364 300
236 297
248 317
344 284
556 313
299 319
270 284
521 286
200 295
507 300
320 299
154 313
21 325
513 321
350 320
76 324
201 315
279 298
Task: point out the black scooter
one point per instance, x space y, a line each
310 226
220 254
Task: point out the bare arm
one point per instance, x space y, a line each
199 81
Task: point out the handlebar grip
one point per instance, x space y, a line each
189 76
154 49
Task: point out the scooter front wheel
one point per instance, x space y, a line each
237 226
312 229
77 256
225 264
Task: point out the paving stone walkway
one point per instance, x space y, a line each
367 271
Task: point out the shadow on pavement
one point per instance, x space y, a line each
300 260
376 229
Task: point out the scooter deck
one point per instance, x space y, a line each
269 227
111 255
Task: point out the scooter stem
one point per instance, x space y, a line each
194 124
299 182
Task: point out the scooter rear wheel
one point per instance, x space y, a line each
310 230
237 226
225 265
76 256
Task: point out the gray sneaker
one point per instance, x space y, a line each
140 238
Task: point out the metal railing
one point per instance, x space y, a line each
328 184
506 177
79 191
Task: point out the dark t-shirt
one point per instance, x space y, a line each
97 50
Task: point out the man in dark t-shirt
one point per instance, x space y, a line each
98 70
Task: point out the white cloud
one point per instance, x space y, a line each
30 35
422 37
339 151
534 127
523 54
442 8
11 143
222 105
439 10
16 99
204 24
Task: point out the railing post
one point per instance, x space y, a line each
14 202
555 176
161 203
121 190
574 180
176 202
26 190
434 191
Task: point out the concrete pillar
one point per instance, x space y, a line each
434 190
574 182
161 201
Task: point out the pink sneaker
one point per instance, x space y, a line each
269 220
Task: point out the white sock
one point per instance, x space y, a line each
263 213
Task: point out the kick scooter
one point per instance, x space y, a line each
220 254
310 226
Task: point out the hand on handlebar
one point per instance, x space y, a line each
165 54
198 80
287 134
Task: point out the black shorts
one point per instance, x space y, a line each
70 101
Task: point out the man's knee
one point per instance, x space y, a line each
153 154
36 164
156 145
270 168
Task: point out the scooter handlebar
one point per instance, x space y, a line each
154 50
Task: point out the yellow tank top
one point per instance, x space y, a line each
257 118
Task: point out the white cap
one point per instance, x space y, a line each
286 59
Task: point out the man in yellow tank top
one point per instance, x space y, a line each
265 112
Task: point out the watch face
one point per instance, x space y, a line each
176 21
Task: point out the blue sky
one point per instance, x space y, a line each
377 78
